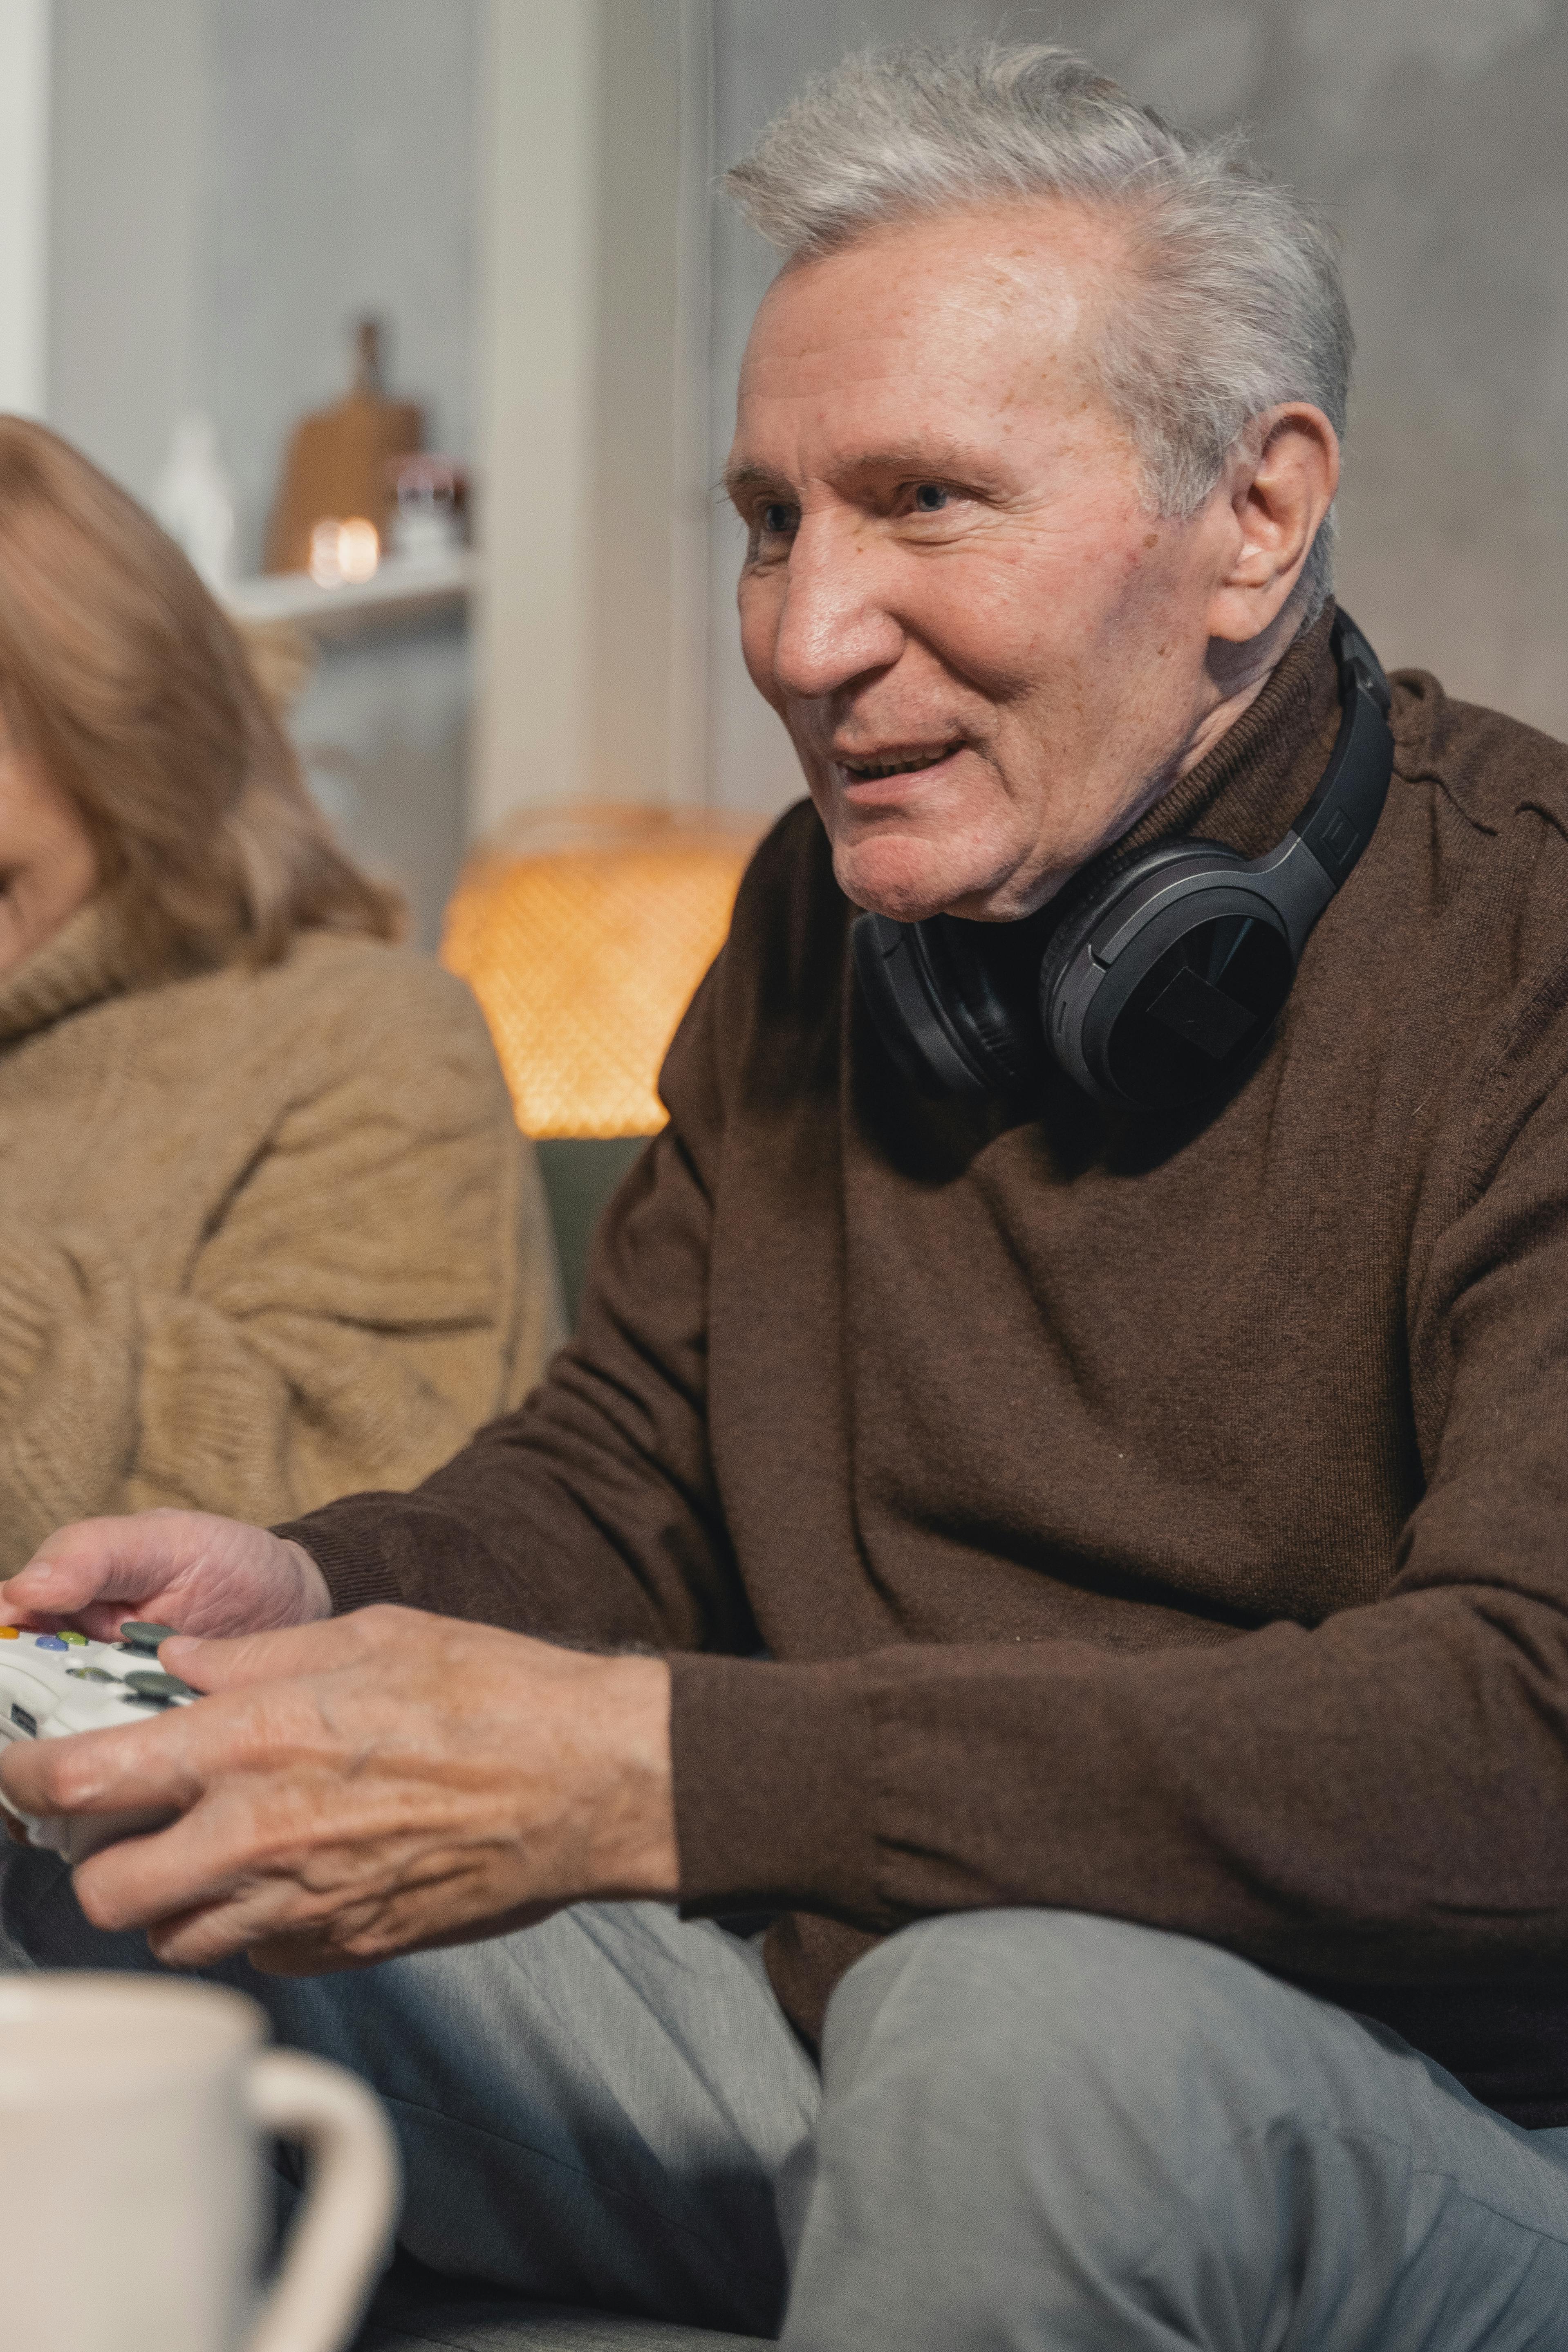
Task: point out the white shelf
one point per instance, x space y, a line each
404 587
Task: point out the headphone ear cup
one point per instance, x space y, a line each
1084 917
941 1006
1158 994
1066 944
989 1004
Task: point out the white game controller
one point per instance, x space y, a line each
53 1684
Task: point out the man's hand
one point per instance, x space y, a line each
382 1783
186 1568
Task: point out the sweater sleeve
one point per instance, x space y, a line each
380 1280
591 1516
69 1328
1377 1800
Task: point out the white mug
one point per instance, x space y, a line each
133 2196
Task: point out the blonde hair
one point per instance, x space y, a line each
129 682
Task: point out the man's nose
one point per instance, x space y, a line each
835 624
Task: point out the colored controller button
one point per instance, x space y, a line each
159 1687
10 1632
50 1642
77 1640
145 1638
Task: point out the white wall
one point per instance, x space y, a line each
129 219
232 182
538 326
594 375
342 180
23 203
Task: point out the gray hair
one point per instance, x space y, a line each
1237 301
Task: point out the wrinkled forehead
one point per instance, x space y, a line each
996 305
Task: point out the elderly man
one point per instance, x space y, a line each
1058 1499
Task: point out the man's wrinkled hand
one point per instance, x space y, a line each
376 1784
186 1568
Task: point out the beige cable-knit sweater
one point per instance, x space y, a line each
265 1236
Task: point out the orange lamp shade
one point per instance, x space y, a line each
583 933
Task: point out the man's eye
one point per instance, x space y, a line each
776 518
931 497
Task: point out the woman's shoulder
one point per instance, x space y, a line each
346 1002
327 969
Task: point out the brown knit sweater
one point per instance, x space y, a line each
1161 1517
265 1236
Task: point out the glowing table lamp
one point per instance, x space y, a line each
584 932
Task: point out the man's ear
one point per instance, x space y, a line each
1279 486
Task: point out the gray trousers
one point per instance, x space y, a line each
1032 2129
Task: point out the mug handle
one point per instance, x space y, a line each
335 2247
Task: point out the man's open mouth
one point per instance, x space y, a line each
897 763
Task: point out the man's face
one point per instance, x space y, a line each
990 653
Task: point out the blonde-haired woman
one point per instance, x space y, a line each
268 1230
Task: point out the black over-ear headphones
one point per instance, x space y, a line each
1162 985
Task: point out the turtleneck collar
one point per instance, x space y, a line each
1261 772
87 958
